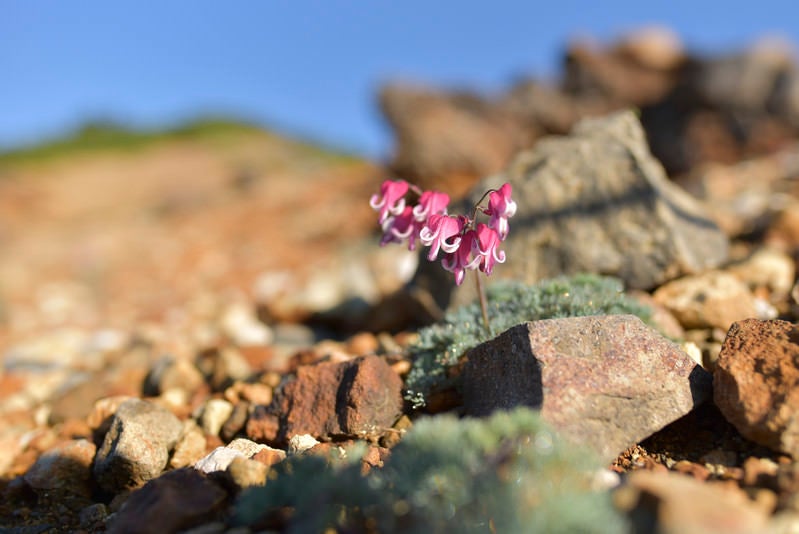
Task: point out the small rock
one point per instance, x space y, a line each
373 457
767 268
236 421
103 410
672 503
362 344
170 373
217 460
269 456
241 325
247 447
756 382
711 299
190 447
223 367
93 516
359 397
300 443
65 468
256 393
759 472
394 436
262 425
698 471
173 502
75 402
246 473
137 445
783 232
720 457
607 381
214 415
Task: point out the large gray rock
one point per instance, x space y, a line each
606 381
595 201
137 445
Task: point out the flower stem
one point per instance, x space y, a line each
483 302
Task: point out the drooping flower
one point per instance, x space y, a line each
461 260
485 248
390 201
430 203
442 232
397 228
501 207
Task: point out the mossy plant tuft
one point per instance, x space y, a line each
506 473
441 345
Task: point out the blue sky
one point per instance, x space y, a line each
309 67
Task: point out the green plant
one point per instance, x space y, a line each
442 345
506 473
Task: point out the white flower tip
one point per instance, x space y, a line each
510 209
398 208
375 202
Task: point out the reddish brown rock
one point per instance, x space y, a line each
756 382
262 425
606 381
269 456
175 501
360 397
447 141
374 457
677 503
639 71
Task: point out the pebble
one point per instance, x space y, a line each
300 443
713 299
65 468
190 447
217 460
240 324
214 414
246 473
136 446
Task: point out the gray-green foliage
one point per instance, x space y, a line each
440 346
506 473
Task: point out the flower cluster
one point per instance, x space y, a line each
466 244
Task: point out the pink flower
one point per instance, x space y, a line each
485 248
442 232
390 201
500 207
400 227
459 261
430 203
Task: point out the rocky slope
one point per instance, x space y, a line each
199 332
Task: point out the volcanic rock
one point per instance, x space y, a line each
756 382
605 381
596 201
137 445
358 397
